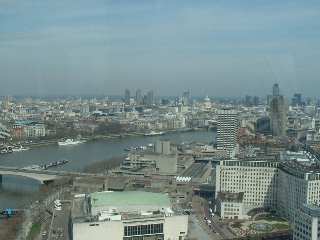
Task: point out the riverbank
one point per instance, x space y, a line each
18 192
104 165
43 143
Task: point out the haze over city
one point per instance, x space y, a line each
219 48
159 120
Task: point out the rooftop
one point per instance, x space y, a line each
312 210
129 198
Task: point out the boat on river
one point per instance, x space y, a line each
69 141
6 150
154 133
19 149
54 164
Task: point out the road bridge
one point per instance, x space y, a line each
43 176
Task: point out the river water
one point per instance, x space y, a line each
16 192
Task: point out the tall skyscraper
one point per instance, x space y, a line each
297 100
278 113
186 98
227 130
150 98
275 90
127 96
138 97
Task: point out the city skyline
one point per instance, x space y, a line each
212 48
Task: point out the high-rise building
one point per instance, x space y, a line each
255 101
278 113
138 97
150 98
186 98
263 125
248 101
296 100
284 186
307 223
227 130
275 90
127 96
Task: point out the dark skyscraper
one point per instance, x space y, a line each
296 100
150 98
186 98
138 97
278 113
275 90
127 96
263 125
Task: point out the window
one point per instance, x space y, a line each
149 229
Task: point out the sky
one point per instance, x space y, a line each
212 47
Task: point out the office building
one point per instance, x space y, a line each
284 186
296 100
250 101
4 132
230 205
186 99
139 99
28 129
263 125
127 96
227 130
278 113
275 90
307 223
256 179
299 182
127 216
149 100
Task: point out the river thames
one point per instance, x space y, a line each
16 192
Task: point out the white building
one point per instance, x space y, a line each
35 130
127 216
306 223
230 205
227 128
300 184
257 179
4 132
282 186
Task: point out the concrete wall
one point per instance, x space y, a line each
167 163
104 230
163 147
175 226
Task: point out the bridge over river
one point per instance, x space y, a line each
43 176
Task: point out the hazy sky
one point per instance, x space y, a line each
219 48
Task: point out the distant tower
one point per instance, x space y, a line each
227 130
297 100
127 96
278 113
138 97
186 98
150 98
275 90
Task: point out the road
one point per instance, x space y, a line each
214 227
60 224
196 231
